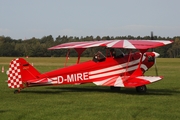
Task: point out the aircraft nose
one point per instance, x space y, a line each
156 54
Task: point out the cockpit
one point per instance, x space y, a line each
115 53
98 57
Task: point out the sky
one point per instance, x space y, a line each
24 19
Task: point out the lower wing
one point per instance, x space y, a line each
128 81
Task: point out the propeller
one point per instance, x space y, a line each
156 55
156 68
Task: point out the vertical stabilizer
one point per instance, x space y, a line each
14 75
20 71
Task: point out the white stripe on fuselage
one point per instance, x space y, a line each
113 72
116 67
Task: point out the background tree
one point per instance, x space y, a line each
36 47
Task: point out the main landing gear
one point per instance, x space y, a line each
141 89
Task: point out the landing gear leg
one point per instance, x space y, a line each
141 89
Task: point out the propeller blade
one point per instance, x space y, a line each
156 68
155 56
155 53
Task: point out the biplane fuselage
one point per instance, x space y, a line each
93 71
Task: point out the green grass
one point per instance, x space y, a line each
90 102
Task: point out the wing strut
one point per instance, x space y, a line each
128 62
138 71
79 51
67 57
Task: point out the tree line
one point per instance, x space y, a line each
36 47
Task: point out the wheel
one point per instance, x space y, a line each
141 89
16 91
113 88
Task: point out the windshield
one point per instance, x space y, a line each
98 57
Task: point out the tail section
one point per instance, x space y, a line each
20 71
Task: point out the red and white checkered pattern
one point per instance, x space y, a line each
14 76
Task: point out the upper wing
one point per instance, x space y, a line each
128 44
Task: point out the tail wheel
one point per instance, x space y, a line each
16 91
141 89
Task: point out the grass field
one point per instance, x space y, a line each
90 102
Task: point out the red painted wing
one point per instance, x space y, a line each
128 44
129 82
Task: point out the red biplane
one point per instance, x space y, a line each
112 68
